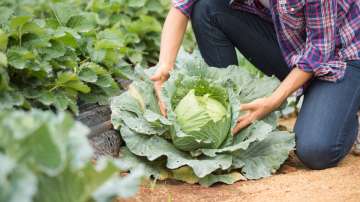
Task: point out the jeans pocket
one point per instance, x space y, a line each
353 70
354 63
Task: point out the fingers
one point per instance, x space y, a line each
158 87
160 75
156 76
162 108
248 106
255 110
240 125
243 122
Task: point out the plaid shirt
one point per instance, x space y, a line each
318 36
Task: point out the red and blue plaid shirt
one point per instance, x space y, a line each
318 36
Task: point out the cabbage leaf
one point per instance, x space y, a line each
47 158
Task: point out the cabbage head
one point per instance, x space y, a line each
204 120
194 142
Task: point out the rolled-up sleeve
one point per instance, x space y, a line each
319 51
185 6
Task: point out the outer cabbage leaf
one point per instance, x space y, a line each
256 132
230 178
154 169
262 158
155 147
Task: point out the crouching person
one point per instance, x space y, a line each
312 46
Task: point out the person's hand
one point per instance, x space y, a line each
255 110
160 76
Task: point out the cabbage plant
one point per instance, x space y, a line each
194 142
47 158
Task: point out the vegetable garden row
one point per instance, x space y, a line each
55 55
58 55
63 52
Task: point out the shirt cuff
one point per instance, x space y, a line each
330 71
185 8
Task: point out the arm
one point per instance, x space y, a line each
319 48
296 79
171 39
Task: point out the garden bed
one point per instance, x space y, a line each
293 182
290 184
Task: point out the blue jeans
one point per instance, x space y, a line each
326 127
327 124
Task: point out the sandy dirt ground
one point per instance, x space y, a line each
293 182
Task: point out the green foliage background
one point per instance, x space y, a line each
55 53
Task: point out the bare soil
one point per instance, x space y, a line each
293 182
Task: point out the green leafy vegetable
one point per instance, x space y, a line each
47 158
205 121
194 143
60 53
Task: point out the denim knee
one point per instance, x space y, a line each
200 12
317 156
